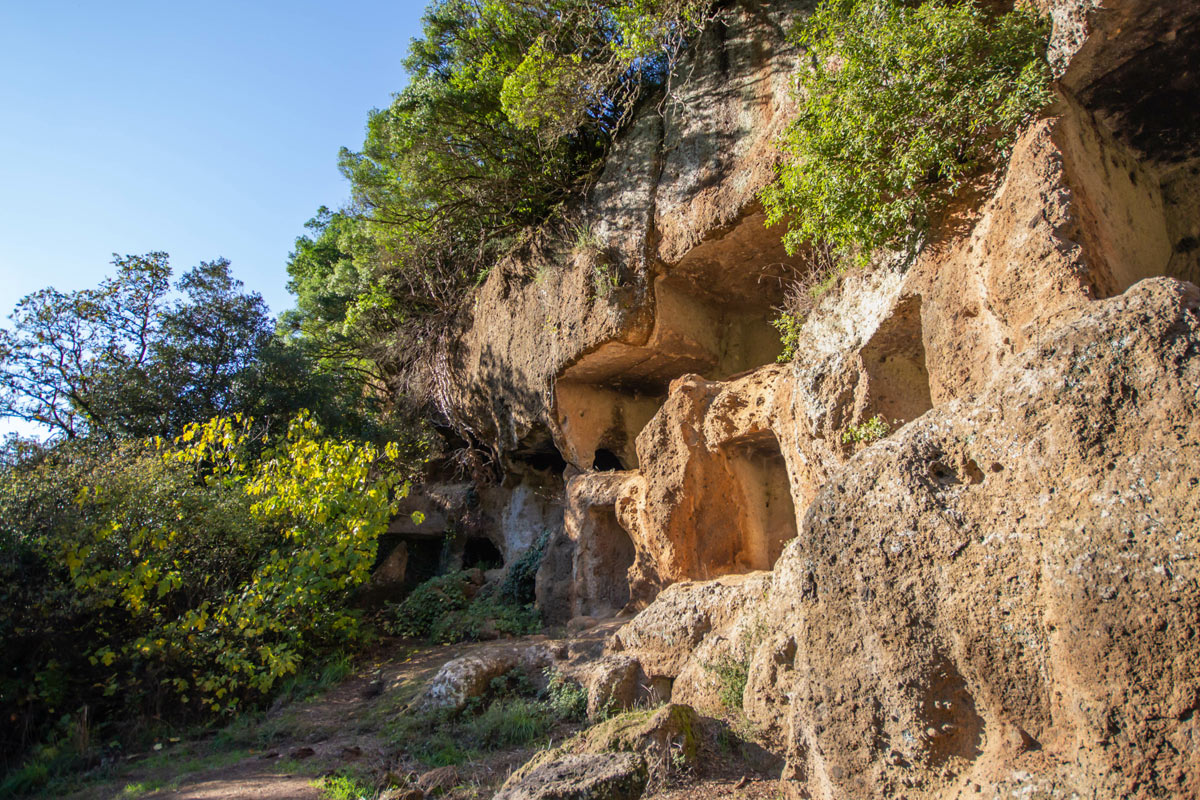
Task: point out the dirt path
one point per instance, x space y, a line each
282 753
357 730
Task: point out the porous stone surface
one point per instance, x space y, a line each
1002 594
596 776
466 677
996 598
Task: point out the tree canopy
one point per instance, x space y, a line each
509 108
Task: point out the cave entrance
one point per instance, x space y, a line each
611 553
894 359
424 556
545 459
768 514
480 552
606 461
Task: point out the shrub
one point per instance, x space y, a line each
440 611
182 579
510 722
425 607
901 106
732 668
520 583
875 428
565 698
343 787
486 617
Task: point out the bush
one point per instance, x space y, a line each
875 428
565 698
181 580
521 582
440 611
510 722
902 105
486 618
425 607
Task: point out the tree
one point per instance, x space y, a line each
210 343
510 107
124 360
72 360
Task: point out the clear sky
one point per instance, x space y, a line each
204 128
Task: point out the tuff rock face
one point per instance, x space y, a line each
997 598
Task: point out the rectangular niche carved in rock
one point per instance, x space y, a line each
768 519
602 565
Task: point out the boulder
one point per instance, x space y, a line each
613 684
470 676
594 776
1009 583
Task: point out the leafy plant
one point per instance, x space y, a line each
789 326
485 617
441 611
184 579
565 698
510 722
424 608
732 667
508 111
900 106
343 787
868 431
521 581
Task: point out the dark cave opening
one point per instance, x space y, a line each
606 460
479 552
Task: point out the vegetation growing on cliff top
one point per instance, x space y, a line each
900 105
509 108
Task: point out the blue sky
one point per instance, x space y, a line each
204 129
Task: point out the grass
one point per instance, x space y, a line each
439 739
343 787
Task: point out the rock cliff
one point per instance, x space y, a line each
998 596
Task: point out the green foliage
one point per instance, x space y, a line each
510 722
732 668
125 360
865 432
565 698
440 610
182 579
486 618
508 110
731 673
343 787
521 581
506 716
789 326
428 603
901 106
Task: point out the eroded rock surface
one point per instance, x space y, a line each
1000 595
597 776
